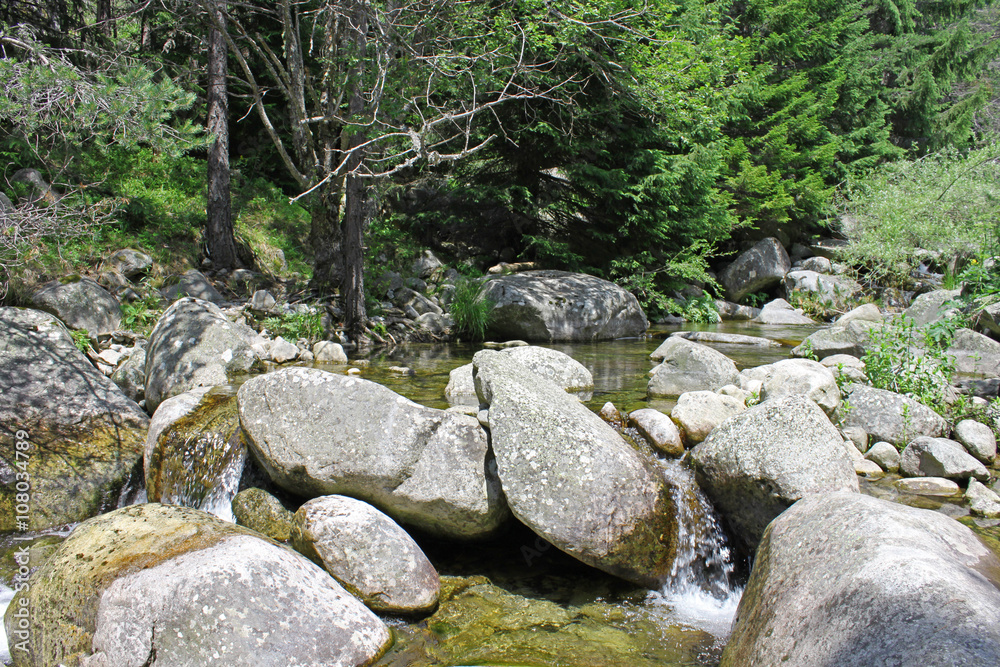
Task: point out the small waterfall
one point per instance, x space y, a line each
701 591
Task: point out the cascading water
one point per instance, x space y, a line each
701 591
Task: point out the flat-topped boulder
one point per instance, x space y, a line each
849 580
558 366
561 306
317 433
79 438
572 478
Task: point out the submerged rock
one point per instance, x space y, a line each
572 479
758 463
178 586
849 580
194 451
368 553
318 433
194 345
561 306
79 438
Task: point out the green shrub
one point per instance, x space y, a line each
470 310
293 326
140 316
81 338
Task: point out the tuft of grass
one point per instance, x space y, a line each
81 338
470 310
140 316
292 326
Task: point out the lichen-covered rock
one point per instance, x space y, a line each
194 345
178 586
851 338
888 416
319 433
558 366
982 501
849 580
659 430
687 366
193 284
130 263
760 267
66 427
978 439
804 377
561 306
940 457
130 376
932 306
824 286
368 553
756 464
572 479
258 510
699 412
194 451
81 304
867 312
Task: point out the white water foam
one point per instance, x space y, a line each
6 595
701 592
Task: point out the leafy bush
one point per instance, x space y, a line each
292 326
946 202
140 316
700 309
470 310
81 338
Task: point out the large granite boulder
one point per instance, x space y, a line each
194 345
803 377
572 479
561 306
318 434
886 415
194 451
67 428
558 366
932 306
940 457
760 267
687 366
368 553
756 464
81 304
850 338
849 580
171 585
978 439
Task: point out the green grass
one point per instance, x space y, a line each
470 310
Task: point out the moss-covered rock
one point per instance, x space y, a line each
260 511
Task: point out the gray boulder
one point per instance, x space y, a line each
938 487
561 306
888 416
760 267
817 264
885 455
130 376
852 338
194 451
688 366
194 345
982 501
697 413
70 427
846 368
179 587
368 553
730 311
803 377
81 304
557 366
867 312
940 457
259 511
659 430
425 265
756 464
282 351
720 338
326 351
435 323
404 296
130 263
193 284
975 353
932 306
824 286
978 439
572 479
262 301
850 580
317 434
780 311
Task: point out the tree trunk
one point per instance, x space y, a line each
103 16
353 286
325 239
219 229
